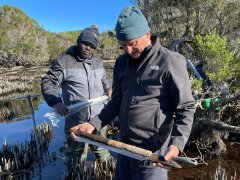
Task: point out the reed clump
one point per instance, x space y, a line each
19 160
92 170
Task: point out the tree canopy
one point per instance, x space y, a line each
24 41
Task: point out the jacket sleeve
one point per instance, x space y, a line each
111 110
179 88
105 80
51 83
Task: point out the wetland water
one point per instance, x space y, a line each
18 132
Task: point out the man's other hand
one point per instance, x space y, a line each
84 127
109 93
61 109
171 153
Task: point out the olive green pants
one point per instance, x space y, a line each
77 150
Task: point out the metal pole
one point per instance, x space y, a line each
34 124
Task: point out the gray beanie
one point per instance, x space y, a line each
90 35
131 24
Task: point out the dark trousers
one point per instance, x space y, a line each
131 169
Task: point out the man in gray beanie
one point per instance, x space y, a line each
90 35
151 96
82 77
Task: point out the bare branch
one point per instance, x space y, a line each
220 126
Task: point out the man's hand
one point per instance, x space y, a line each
61 109
109 93
85 127
171 153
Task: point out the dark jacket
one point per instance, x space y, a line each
79 80
154 102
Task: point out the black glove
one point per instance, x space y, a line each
61 109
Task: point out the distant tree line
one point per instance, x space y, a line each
24 42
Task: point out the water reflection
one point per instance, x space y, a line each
217 168
17 107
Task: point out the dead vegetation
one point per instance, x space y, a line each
17 81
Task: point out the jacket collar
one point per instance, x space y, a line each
148 52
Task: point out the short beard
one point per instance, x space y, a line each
136 56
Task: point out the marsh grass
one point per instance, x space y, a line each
18 80
221 174
15 82
18 161
92 170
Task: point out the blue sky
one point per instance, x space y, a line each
67 15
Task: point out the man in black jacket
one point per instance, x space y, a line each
151 96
